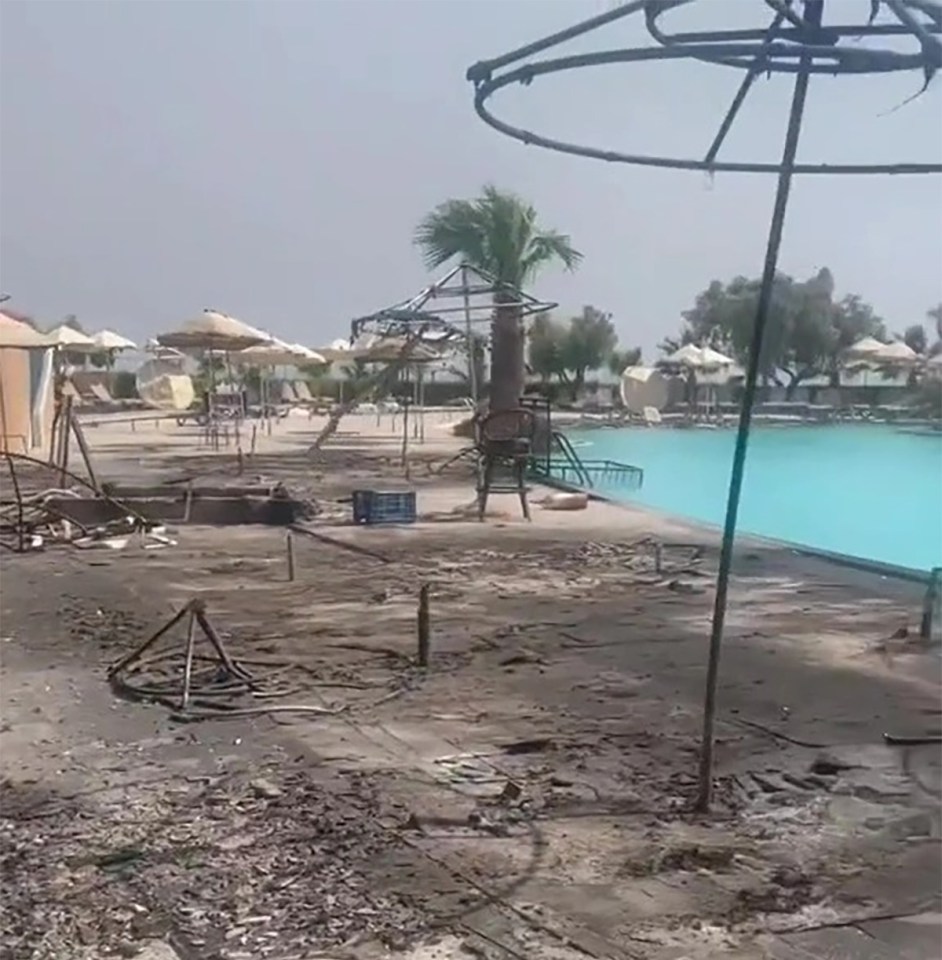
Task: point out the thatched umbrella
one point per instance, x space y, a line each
275 353
212 331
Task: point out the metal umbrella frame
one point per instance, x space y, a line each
797 43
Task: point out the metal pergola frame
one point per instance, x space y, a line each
464 290
800 44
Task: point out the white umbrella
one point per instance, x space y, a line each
896 352
865 348
71 339
15 333
109 340
699 358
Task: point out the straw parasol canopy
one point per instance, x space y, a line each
212 330
19 335
277 353
337 350
162 353
306 354
72 340
109 340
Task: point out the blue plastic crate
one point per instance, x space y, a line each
376 506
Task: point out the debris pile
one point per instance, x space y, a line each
43 505
240 868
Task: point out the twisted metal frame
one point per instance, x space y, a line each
792 44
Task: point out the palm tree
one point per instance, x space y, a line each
935 315
497 233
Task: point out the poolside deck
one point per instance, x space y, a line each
528 795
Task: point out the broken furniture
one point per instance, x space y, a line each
505 441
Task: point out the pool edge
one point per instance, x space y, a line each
863 564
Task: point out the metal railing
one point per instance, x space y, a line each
569 468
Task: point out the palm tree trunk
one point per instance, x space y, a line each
507 354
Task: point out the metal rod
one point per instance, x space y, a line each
742 92
422 624
929 603
140 650
20 522
289 550
83 449
484 68
813 9
188 662
469 336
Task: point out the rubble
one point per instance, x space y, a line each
296 880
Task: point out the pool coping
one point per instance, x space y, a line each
863 564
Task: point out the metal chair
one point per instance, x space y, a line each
505 439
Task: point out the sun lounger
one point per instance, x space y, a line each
303 391
101 393
652 416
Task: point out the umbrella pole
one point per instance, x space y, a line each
421 406
813 10
239 410
469 337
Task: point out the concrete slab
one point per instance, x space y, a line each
911 938
845 943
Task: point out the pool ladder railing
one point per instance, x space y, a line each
569 468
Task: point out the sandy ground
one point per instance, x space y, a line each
528 795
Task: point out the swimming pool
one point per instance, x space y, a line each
869 491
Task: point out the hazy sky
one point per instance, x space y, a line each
270 159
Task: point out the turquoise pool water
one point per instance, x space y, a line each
867 491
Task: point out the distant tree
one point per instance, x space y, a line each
589 342
915 338
545 349
71 320
569 351
620 360
935 315
806 335
500 234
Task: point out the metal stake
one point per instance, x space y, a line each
423 626
813 9
289 550
469 335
